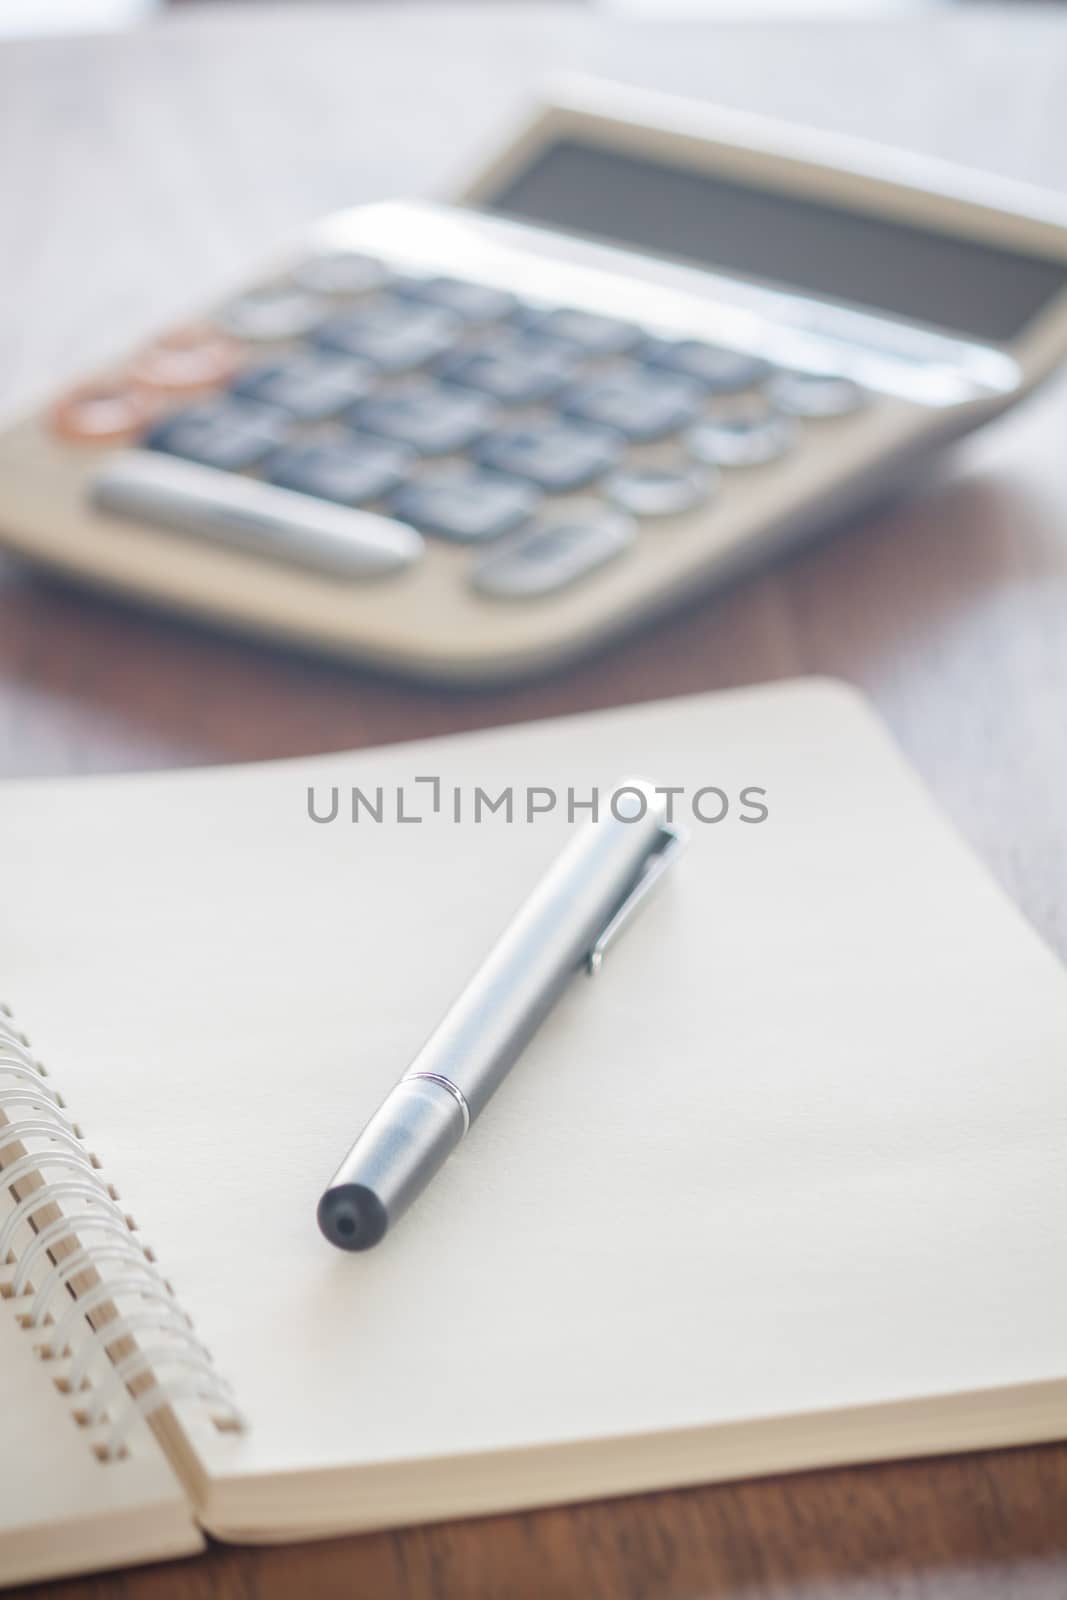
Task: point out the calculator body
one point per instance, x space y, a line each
659 344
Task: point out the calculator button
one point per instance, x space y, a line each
596 335
557 458
277 311
721 371
815 394
340 272
659 491
469 508
103 413
311 386
434 418
551 557
226 433
350 471
746 440
475 303
640 404
197 357
393 333
249 515
513 369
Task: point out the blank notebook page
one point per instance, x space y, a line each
799 1147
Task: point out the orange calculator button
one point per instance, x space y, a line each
197 357
109 412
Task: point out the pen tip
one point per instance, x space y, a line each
352 1217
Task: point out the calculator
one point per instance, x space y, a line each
649 345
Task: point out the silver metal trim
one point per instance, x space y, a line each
444 1083
674 841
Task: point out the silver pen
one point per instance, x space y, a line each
577 910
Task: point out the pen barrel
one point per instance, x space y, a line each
546 942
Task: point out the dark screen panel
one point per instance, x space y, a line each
957 284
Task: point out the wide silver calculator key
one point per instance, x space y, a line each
552 556
651 491
258 517
749 439
815 394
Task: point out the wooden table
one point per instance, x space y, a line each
136 172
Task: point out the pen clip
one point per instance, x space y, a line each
666 852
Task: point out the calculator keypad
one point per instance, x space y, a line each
718 371
555 457
652 491
351 471
467 507
198 357
436 419
815 394
474 303
311 387
394 334
745 439
340 272
637 402
110 411
279 311
594 334
460 410
514 368
551 557
228 433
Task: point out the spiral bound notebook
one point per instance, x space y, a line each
785 1185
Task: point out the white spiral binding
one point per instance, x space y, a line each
96 1233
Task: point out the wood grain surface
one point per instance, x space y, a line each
137 171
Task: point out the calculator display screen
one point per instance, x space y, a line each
970 288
